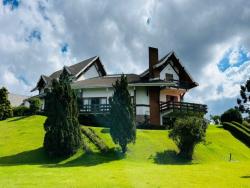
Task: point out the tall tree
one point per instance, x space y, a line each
63 136
244 101
123 127
5 107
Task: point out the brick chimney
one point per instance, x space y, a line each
153 60
154 92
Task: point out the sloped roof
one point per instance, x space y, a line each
74 69
164 60
103 81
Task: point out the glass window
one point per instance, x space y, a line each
169 77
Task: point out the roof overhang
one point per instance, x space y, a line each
152 84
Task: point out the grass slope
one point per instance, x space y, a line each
151 162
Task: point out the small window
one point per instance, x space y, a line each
169 77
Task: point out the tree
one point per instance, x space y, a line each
123 127
215 119
35 105
5 107
231 115
186 133
63 136
244 101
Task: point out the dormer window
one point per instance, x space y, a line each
169 77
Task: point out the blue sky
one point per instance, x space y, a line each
213 41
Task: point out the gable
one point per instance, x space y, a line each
169 70
91 72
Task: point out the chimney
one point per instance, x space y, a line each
153 60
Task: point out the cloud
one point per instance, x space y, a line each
39 37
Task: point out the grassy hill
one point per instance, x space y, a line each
151 162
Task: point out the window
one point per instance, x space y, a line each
169 77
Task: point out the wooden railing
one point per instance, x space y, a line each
164 106
95 108
183 106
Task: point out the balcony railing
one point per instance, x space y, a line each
183 106
95 108
164 106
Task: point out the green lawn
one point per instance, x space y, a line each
151 162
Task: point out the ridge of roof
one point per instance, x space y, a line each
75 68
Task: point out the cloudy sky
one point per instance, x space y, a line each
212 39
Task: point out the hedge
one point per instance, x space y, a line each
241 126
237 132
95 139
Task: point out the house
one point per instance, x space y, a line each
155 93
18 100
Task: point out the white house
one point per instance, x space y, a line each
155 93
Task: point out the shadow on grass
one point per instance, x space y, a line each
245 176
170 157
32 157
90 159
18 118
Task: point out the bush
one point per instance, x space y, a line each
21 111
246 124
5 108
238 132
35 105
231 115
186 133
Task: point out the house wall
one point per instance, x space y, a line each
90 73
168 69
142 98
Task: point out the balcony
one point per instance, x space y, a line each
182 107
95 109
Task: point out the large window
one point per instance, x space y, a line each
94 101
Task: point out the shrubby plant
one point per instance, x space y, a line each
231 115
122 120
35 105
187 133
63 135
5 107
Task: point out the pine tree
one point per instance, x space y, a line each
123 127
63 136
5 107
244 102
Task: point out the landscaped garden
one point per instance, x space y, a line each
151 162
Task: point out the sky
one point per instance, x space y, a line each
211 38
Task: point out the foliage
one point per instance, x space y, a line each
95 139
123 127
63 135
238 132
5 107
35 105
215 119
244 101
186 133
231 115
246 124
20 111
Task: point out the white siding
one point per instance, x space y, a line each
168 69
142 98
90 73
101 92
